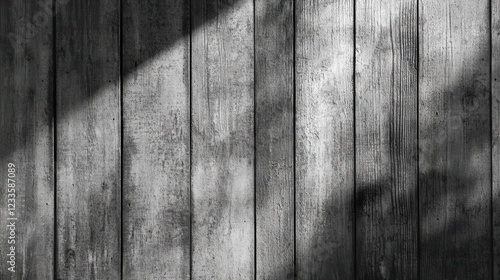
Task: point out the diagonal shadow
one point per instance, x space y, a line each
468 90
153 42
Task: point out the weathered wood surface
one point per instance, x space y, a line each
330 139
156 131
223 140
495 110
324 139
386 139
455 150
274 100
88 163
26 139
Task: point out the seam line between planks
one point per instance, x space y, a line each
190 65
294 15
418 141
254 147
354 233
120 34
54 108
492 212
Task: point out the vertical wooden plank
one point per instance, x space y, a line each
156 131
88 140
455 148
324 139
26 140
386 139
495 109
274 85
222 140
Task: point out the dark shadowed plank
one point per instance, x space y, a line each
275 137
325 153
156 140
455 150
495 109
88 140
386 139
26 138
222 140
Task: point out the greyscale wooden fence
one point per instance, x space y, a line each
240 139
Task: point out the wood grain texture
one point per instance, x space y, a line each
495 110
274 84
26 138
324 139
223 140
455 148
88 140
156 190
386 139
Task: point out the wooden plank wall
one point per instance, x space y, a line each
495 119
324 139
222 130
88 142
274 139
26 142
156 89
386 139
455 133
250 139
